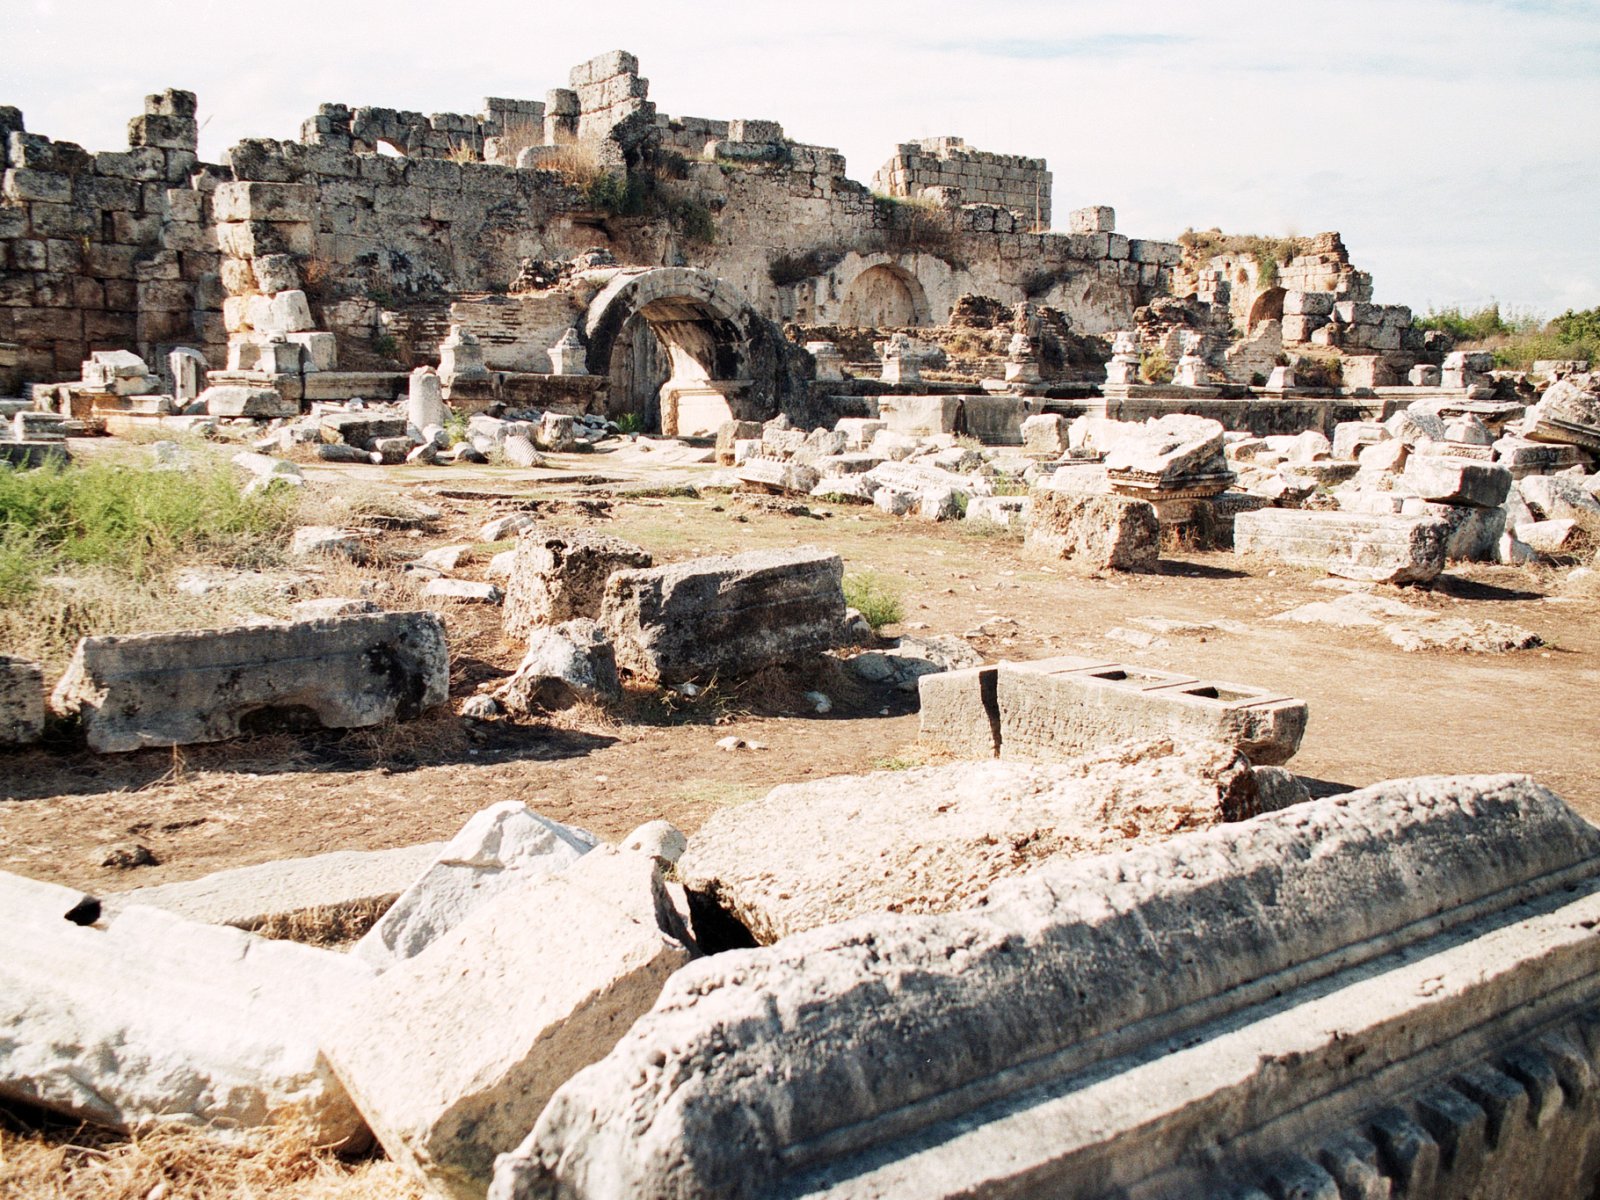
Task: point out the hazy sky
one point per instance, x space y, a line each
1454 143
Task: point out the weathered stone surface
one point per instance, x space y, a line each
234 400
171 689
566 664
1057 708
1466 481
425 405
1096 532
1569 412
561 575
21 701
1560 498
1053 709
156 1019
501 847
325 539
1169 448
1044 435
774 475
452 1054
933 839
724 615
1257 996
1377 549
463 591
249 897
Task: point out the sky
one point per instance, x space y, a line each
1454 143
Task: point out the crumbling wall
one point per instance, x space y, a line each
107 251
976 176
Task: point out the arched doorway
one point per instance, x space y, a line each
883 297
1267 307
683 350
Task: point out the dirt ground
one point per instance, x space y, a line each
1377 711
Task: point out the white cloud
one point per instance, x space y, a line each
1451 141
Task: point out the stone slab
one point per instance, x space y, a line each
21 701
172 689
159 1020
452 1054
1370 547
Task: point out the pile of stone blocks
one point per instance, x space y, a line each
1432 1030
1053 709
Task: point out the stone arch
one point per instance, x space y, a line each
1268 306
882 294
716 357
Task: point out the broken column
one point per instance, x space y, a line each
1392 991
425 406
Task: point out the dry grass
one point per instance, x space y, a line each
575 163
332 926
41 1159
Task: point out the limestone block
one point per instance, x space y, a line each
1053 709
957 712
1010 511
21 701
558 576
284 312
499 848
1423 375
904 1054
1466 481
277 202
724 616
1560 498
359 429
566 664
325 539
1370 547
859 431
463 591
1351 437
249 897
237 400
452 1054
1100 218
1169 447
777 475
730 432
920 416
1096 532
1474 533
159 1020
1551 537
172 689
934 839
557 433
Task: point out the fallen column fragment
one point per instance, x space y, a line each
205 685
1372 548
156 1019
1095 531
1377 985
724 615
451 1055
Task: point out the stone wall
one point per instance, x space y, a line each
107 251
976 176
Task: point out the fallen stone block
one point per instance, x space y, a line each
360 429
779 476
1096 532
272 894
1400 983
325 539
920 416
730 432
21 701
232 400
560 576
565 664
131 691
1369 547
934 839
26 455
1058 708
1568 412
1472 533
1552 538
904 663
1044 435
158 1020
452 1054
724 616
501 847
1457 481
1560 498
463 591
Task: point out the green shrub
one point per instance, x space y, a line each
876 600
1155 367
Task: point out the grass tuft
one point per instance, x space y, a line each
874 598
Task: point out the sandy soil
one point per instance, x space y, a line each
1377 711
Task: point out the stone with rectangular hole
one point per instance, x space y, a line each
131 691
1055 709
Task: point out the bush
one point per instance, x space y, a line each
1154 367
876 600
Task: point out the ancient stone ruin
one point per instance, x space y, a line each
596 427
